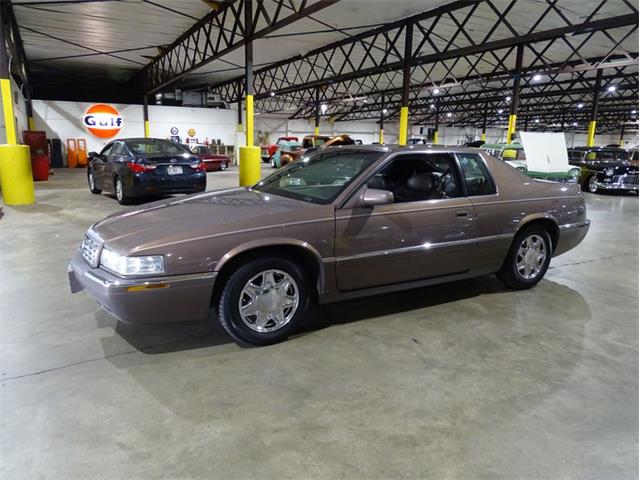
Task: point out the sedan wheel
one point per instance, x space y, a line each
532 254
121 196
268 301
92 183
263 301
223 165
593 187
528 259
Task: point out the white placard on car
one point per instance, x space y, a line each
545 151
174 170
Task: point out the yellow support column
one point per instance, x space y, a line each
31 123
483 136
146 129
249 155
591 133
7 107
382 135
316 130
511 130
404 125
435 137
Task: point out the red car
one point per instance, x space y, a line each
267 151
212 161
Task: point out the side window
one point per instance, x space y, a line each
419 177
307 143
106 151
476 175
117 149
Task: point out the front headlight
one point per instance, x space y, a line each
609 172
135 265
574 173
521 168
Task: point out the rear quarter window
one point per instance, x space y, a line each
476 174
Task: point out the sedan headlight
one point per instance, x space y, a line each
609 172
134 265
521 168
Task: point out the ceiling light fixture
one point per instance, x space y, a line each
580 105
611 88
537 77
323 108
436 91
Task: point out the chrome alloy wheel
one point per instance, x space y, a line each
269 301
532 254
119 189
593 187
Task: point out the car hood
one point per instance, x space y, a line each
159 225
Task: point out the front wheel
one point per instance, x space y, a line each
593 184
223 166
264 301
528 259
92 182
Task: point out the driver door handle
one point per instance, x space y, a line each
462 213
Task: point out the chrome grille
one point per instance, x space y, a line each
91 251
625 179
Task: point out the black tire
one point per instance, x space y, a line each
223 166
92 183
585 184
229 305
509 274
121 195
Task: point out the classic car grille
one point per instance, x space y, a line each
625 179
91 251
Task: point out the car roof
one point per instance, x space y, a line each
390 148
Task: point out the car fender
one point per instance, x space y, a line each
541 216
275 242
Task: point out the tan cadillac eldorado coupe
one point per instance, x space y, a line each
343 222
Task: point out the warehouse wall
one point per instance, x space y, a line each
274 127
64 120
460 135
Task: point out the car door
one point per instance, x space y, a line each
494 218
425 233
98 166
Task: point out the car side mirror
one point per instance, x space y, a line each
373 196
93 154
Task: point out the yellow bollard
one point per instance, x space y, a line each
249 166
16 178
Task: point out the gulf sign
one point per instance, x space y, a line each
102 120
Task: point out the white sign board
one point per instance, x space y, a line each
545 152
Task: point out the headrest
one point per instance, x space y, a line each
422 182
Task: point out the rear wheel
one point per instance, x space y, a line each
263 301
223 165
92 182
528 259
118 189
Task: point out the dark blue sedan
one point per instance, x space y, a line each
144 167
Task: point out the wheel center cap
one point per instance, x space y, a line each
268 301
530 257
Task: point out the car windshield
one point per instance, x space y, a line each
202 150
319 179
155 146
605 156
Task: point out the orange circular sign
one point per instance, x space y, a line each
102 120
191 132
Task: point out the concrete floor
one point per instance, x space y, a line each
466 380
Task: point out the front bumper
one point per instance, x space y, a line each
620 186
151 300
570 235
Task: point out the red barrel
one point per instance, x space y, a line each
40 167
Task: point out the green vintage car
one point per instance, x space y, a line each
513 154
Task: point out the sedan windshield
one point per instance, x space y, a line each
155 146
319 179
